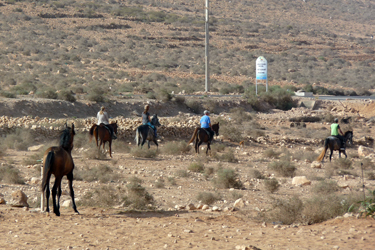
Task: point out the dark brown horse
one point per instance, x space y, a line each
59 162
334 143
201 135
102 134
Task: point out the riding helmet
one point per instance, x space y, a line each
206 112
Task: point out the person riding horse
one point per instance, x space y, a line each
146 119
103 118
335 129
206 124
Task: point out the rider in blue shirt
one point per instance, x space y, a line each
206 124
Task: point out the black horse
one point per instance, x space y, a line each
145 132
201 135
334 144
59 162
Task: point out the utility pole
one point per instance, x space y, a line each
207 76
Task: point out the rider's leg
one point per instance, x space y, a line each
112 132
155 132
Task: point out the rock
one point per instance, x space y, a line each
239 203
179 207
205 207
19 199
216 208
2 200
35 148
67 203
300 181
316 164
365 151
190 207
34 180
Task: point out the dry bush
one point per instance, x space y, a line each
208 172
227 178
342 163
121 145
10 174
93 152
239 115
285 211
196 167
20 139
370 175
101 173
231 131
366 164
283 168
176 148
235 195
305 155
182 173
256 174
172 181
103 196
270 153
227 156
159 183
208 198
217 147
66 95
325 187
144 152
271 185
137 196
194 106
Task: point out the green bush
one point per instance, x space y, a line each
47 94
66 96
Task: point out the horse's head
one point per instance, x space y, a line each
349 137
114 126
155 121
67 136
215 128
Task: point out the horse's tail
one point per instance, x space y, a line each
136 136
194 135
91 132
321 156
47 168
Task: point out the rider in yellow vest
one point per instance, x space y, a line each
335 129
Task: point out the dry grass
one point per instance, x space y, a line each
176 148
283 168
271 185
10 174
227 178
207 198
144 152
103 196
196 167
101 173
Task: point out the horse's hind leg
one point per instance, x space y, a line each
70 179
156 143
330 155
110 148
54 194
48 192
208 148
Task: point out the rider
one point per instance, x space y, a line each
206 124
146 119
103 118
335 129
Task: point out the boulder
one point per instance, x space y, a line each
365 151
300 181
239 203
67 203
35 148
316 164
2 200
191 207
19 199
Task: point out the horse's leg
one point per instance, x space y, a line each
208 147
144 138
110 148
54 193
70 179
198 145
330 155
48 192
59 192
345 154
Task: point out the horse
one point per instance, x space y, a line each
145 132
334 144
201 135
102 134
59 162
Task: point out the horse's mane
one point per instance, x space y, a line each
65 138
348 132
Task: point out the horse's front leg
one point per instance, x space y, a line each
198 145
330 155
208 147
70 179
345 154
110 148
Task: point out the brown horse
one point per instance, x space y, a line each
59 162
102 134
201 135
334 143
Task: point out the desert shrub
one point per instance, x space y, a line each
176 148
342 163
101 173
235 195
367 205
286 211
47 94
179 99
271 185
159 183
144 152
172 181
20 139
270 153
227 178
7 94
217 147
207 198
227 156
305 155
137 196
210 105
325 187
196 167
10 174
256 174
370 175
208 172
328 117
182 173
230 131
163 95
194 106
239 115
283 168
103 196
97 94
66 96
366 164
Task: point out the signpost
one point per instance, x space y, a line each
261 72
